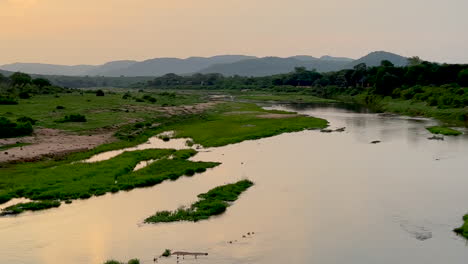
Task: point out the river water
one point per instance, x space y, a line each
325 198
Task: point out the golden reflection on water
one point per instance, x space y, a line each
318 198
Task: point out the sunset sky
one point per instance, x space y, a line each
97 31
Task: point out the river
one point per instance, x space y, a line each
325 198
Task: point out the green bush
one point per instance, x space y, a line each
100 93
8 100
25 119
12 129
166 253
24 95
72 118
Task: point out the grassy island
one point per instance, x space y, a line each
444 131
211 203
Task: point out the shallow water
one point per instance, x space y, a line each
323 198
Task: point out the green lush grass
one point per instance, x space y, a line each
31 206
58 180
132 261
6 147
444 131
293 98
100 111
451 116
231 123
463 230
214 202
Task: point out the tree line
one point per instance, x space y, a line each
437 84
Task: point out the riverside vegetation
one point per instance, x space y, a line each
214 202
49 182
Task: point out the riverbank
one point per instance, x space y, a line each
66 178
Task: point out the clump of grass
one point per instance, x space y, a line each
166 253
132 261
444 131
31 206
212 203
25 119
60 107
463 230
72 118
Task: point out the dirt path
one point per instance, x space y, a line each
53 143
50 142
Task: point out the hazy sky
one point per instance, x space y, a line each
97 31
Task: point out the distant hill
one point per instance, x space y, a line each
161 66
225 64
51 69
105 69
273 65
375 58
153 67
330 58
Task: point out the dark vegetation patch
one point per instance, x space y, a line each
72 118
31 206
463 230
132 261
9 128
444 131
55 180
212 203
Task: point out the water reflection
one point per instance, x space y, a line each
327 198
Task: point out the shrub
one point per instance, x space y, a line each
100 93
24 95
12 129
72 118
189 172
134 261
113 262
166 253
25 119
59 107
149 98
8 100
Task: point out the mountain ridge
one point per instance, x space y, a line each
223 64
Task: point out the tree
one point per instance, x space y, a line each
100 93
413 61
386 63
463 77
20 79
41 82
3 78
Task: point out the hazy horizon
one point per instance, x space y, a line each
89 32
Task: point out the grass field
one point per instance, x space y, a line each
214 202
235 122
100 111
50 180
